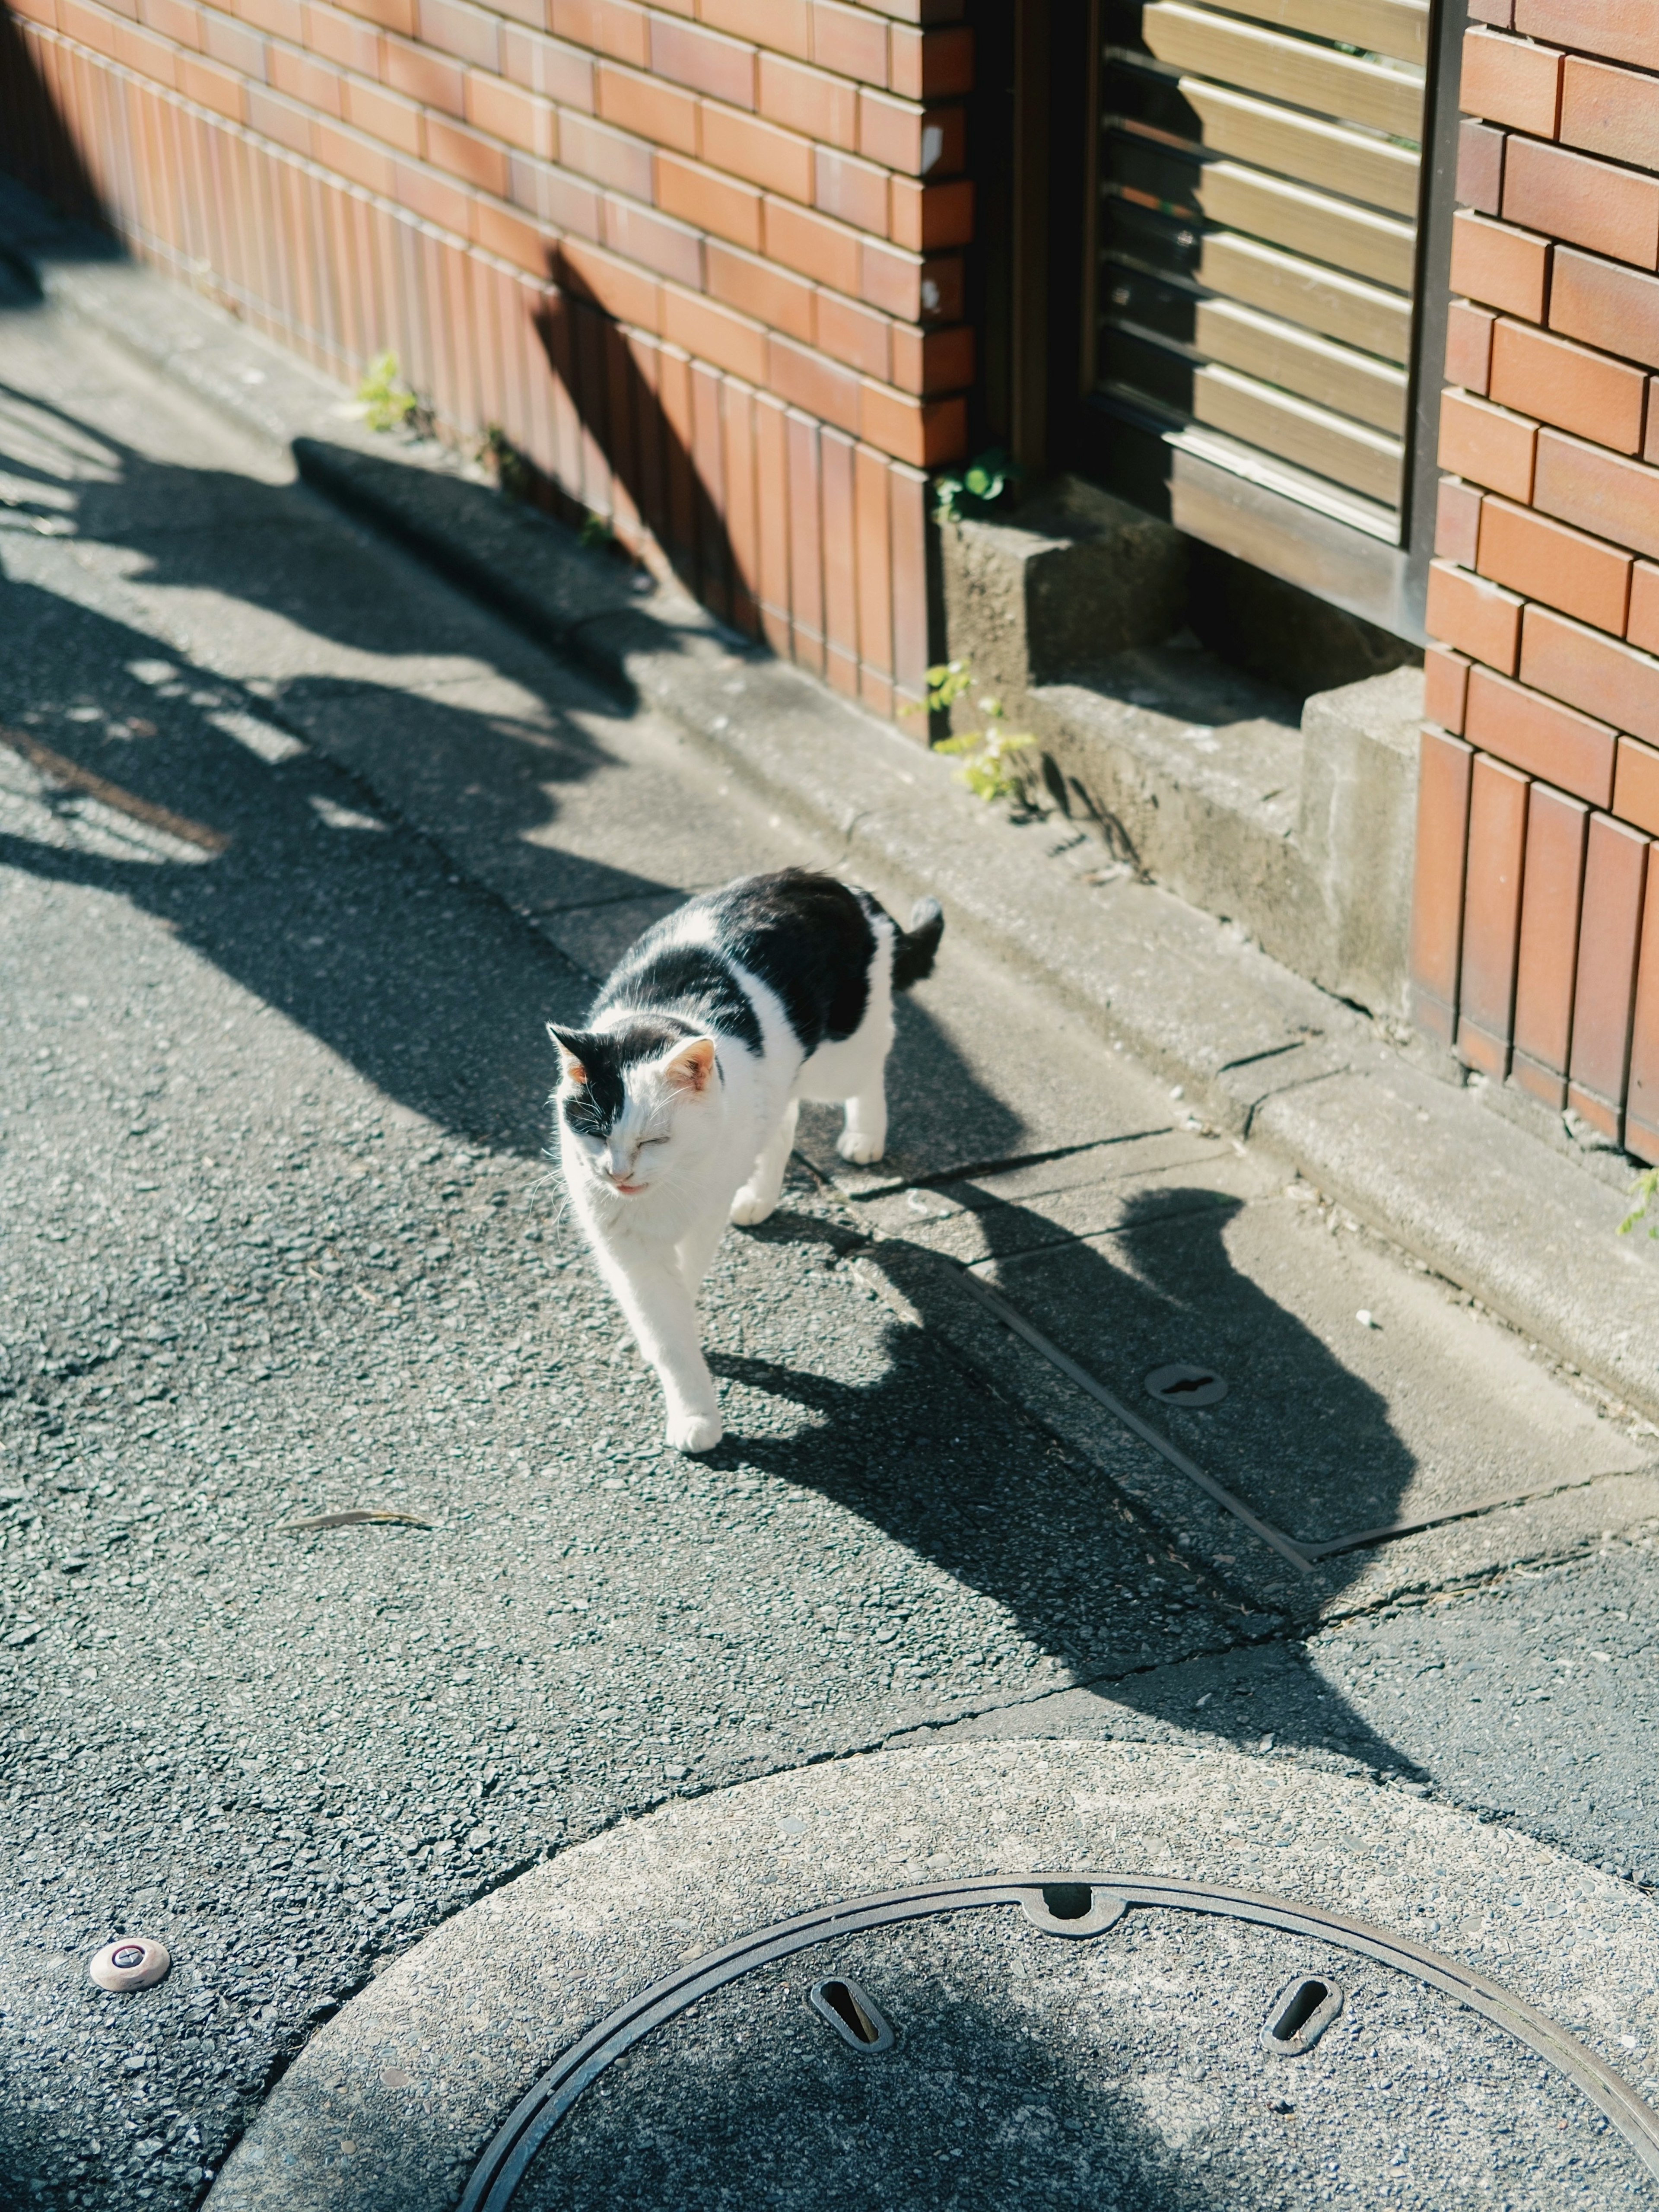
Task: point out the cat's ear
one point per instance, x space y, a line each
571 1045
689 1069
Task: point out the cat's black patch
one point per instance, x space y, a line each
592 1108
695 981
807 937
916 948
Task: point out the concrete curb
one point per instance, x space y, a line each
1257 1049
389 2104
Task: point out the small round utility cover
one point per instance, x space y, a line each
1184 1385
132 1962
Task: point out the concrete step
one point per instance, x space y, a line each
1283 801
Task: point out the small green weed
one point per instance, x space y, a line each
597 534
1645 1191
946 684
387 401
989 767
514 479
977 490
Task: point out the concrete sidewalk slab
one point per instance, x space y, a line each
932 1294
392 2102
1528 1698
1332 1425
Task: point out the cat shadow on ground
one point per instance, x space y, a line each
1037 1526
1307 1441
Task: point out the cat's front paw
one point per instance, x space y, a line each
750 1206
693 1432
856 1145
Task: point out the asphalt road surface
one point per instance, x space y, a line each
279 1238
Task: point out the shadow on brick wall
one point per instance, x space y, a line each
652 448
35 146
785 526
784 522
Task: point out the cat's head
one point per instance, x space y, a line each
635 1100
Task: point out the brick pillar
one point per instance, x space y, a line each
1543 597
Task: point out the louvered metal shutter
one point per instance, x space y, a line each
1259 174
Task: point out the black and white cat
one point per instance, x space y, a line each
677 1110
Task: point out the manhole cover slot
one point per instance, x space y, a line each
1301 2013
853 2016
1071 1908
1067 1901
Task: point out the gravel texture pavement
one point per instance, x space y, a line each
279 1239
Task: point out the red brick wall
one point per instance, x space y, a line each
700 261
1536 945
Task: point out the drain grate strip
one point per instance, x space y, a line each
507 2158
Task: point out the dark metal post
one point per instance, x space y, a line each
1028 412
1434 235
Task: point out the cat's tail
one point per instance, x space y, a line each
913 948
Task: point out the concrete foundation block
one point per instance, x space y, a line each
1187 772
1290 819
1293 818
1355 827
1079 577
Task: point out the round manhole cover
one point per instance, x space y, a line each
1203 2049
1185 1385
